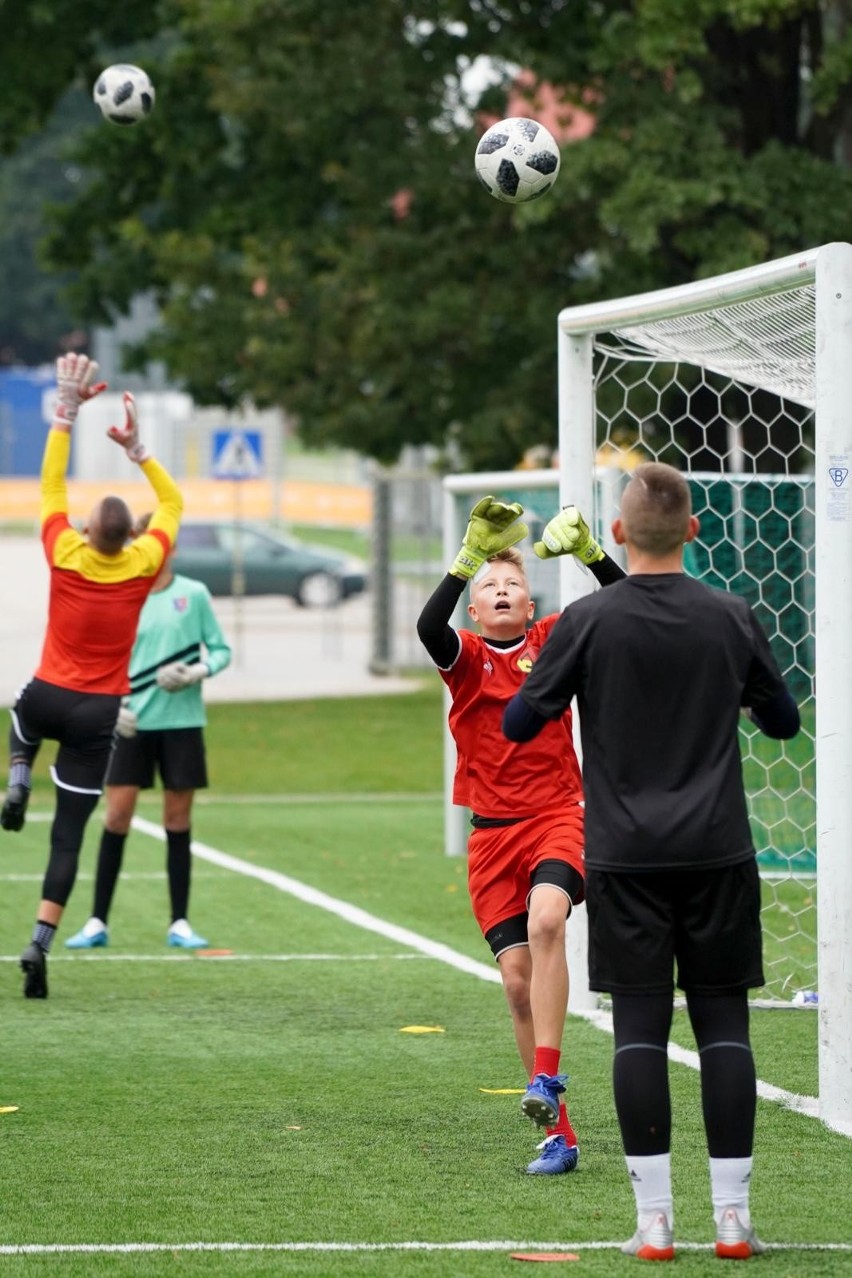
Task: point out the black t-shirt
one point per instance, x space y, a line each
660 666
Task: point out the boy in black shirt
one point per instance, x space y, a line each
661 666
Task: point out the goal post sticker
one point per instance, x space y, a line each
837 491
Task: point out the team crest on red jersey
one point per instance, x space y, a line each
525 664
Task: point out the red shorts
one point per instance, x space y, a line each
502 862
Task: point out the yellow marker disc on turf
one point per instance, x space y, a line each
8 1109
422 1029
503 1091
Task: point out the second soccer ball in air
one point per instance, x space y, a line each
517 160
124 93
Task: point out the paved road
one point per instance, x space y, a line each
281 651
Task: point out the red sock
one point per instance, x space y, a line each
546 1060
563 1127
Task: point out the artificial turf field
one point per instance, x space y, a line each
267 1112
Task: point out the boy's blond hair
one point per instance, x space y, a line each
511 555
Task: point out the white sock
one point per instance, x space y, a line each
93 926
651 1178
729 1185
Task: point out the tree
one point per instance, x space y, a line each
303 205
33 320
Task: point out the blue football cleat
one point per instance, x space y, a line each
541 1099
181 936
557 1156
92 936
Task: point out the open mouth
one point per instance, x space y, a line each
502 605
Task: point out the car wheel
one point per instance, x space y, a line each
319 590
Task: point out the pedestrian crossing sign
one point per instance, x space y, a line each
237 454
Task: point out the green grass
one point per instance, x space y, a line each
269 1100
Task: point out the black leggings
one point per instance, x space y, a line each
82 723
641 1078
73 810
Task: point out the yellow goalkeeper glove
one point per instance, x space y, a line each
568 534
493 527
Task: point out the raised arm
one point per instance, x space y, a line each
493 526
165 521
433 625
75 385
568 534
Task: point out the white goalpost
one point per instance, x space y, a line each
744 382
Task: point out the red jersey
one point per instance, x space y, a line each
95 599
496 777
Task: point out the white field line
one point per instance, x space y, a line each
98 956
51 1249
807 1105
221 799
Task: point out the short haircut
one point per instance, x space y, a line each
656 508
511 555
114 525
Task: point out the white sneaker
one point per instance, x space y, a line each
654 1242
734 1240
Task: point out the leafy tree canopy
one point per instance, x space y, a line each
303 205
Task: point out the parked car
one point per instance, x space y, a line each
236 558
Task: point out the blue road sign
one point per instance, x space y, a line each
237 454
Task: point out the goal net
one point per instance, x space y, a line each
744 382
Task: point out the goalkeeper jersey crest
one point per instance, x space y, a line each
496 777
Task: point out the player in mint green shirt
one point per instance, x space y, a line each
179 643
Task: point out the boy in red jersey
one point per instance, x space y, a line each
98 584
525 852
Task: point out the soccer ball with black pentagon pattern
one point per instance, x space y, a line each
124 93
517 160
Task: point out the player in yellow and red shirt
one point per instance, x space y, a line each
98 584
525 851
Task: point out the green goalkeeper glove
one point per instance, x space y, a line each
568 534
493 527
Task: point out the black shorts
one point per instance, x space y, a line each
177 753
81 722
706 922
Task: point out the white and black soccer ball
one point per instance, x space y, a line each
124 93
517 160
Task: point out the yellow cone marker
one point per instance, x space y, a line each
8 1109
422 1029
503 1091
